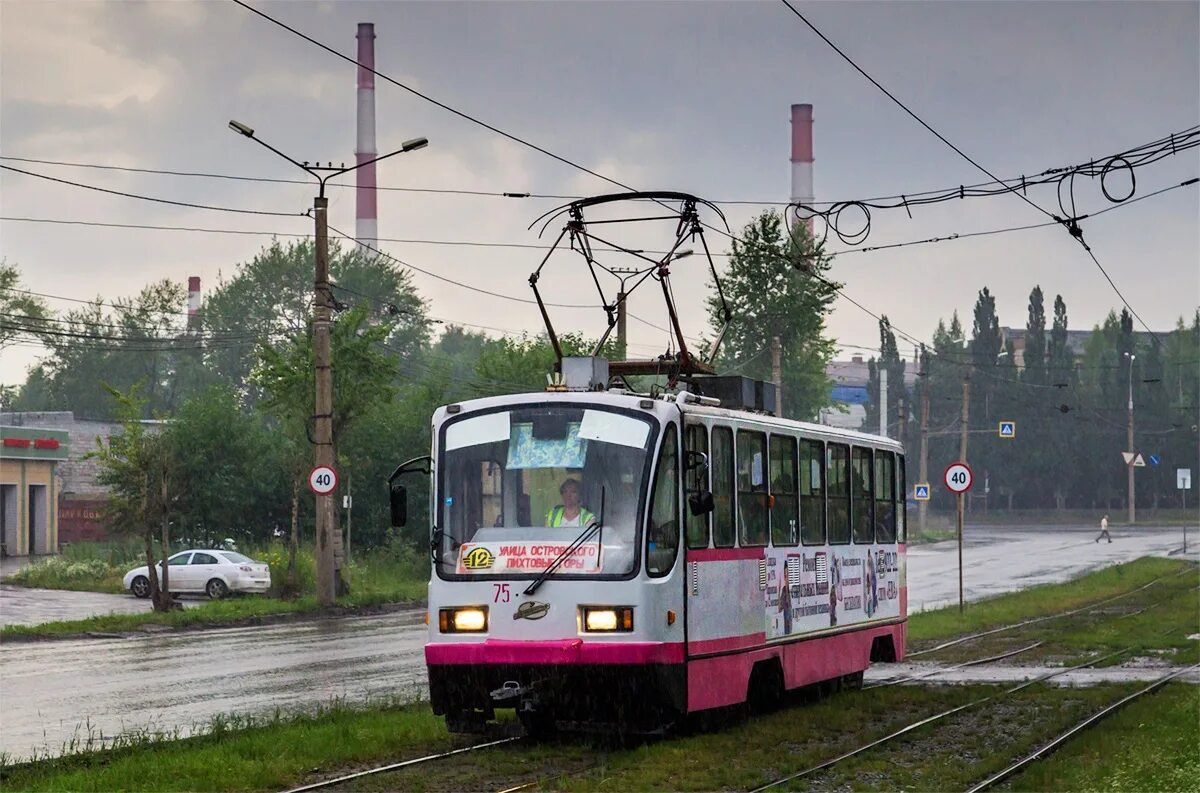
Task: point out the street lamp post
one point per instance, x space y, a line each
1129 441
322 357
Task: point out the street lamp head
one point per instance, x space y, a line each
408 145
241 128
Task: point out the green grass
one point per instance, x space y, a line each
285 750
1152 744
377 577
1041 600
280 752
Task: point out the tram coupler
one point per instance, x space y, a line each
513 694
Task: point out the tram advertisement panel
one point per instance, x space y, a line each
813 589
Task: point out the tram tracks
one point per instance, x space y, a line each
1045 618
347 778
521 774
1050 746
945 714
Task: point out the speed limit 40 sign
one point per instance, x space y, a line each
323 480
958 477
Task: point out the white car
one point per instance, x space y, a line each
213 572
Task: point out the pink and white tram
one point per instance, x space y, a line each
789 569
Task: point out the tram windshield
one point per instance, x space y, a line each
517 486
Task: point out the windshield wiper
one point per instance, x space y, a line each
597 523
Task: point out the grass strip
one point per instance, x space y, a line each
232 611
1153 744
283 752
1037 601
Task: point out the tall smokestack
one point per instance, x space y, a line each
367 218
193 304
802 160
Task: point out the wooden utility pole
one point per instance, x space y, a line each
323 418
883 427
622 353
923 506
962 458
777 373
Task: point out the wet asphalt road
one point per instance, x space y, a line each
53 690
24 606
57 691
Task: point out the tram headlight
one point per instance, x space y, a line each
608 619
471 619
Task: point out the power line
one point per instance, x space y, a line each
410 241
152 198
431 100
443 278
240 232
1143 154
1069 224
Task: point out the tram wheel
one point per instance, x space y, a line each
766 687
465 721
538 724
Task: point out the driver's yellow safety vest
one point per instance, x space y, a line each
554 517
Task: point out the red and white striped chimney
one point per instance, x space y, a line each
802 160
367 218
193 304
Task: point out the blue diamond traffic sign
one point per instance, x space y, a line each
1155 459
921 492
1007 429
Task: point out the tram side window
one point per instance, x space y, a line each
752 488
902 501
862 504
722 487
812 492
696 481
662 534
785 529
885 497
838 468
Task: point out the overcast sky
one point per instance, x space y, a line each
666 96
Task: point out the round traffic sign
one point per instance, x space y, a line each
958 477
323 480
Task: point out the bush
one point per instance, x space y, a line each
59 572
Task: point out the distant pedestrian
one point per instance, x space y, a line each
1104 529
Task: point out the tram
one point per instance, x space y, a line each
606 557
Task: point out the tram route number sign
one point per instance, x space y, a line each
958 477
323 480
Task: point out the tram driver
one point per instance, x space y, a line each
570 512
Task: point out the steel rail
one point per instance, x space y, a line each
936 717
403 764
1036 620
1090 720
893 681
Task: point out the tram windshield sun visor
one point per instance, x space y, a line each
516 486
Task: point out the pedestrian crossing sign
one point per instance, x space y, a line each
1008 429
921 491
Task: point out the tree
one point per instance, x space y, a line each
777 284
236 480
130 341
268 302
138 468
363 376
19 312
890 361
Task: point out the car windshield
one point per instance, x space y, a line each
517 486
236 558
